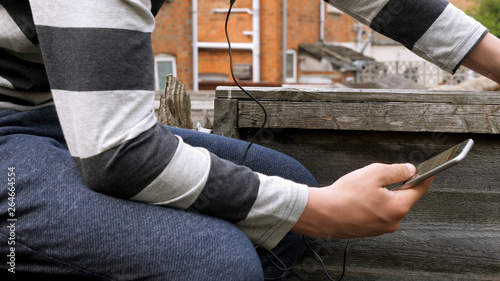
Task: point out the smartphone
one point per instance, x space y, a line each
437 164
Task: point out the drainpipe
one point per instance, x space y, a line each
321 20
194 12
284 38
256 40
359 36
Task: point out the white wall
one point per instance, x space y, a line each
385 53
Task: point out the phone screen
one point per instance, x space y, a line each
438 163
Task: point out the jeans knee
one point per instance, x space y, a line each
220 251
242 268
238 260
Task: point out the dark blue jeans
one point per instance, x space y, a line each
61 228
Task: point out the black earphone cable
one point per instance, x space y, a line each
241 88
323 265
281 266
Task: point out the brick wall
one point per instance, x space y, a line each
211 29
173 34
271 42
463 4
339 28
302 22
211 24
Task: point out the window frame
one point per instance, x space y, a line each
164 58
292 79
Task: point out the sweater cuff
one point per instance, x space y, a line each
452 36
278 207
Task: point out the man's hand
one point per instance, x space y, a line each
358 204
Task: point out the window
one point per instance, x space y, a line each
291 66
164 65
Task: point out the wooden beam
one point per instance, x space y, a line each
360 95
373 116
368 109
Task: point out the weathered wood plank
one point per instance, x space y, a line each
453 233
370 116
361 95
330 154
415 252
467 193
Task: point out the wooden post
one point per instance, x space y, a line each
226 118
175 105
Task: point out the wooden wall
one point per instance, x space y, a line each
453 233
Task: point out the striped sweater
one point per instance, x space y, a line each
433 29
93 60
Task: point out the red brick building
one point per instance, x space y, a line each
189 39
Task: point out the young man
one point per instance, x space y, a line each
99 190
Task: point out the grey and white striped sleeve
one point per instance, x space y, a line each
433 29
99 62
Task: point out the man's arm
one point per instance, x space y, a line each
99 63
485 58
434 30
